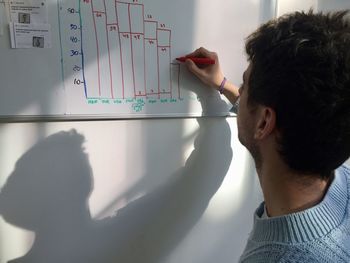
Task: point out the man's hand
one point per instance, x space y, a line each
211 75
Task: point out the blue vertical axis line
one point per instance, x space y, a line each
81 49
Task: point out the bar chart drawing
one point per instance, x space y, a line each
130 50
118 59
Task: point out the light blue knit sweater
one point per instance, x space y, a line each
319 234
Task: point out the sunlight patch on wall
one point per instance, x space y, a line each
18 241
229 196
287 6
16 139
190 130
31 109
117 165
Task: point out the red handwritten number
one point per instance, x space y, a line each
149 16
86 1
113 28
162 25
98 15
125 35
164 49
151 42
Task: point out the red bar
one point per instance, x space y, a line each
151 29
98 51
109 56
163 36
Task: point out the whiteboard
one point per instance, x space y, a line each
117 58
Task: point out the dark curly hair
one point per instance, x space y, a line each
301 69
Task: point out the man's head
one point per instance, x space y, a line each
299 74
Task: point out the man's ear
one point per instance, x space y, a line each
266 123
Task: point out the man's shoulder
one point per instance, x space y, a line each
344 172
344 169
287 253
277 253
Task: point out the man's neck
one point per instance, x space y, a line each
287 192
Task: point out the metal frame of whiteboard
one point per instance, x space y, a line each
69 118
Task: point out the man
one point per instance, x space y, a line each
294 118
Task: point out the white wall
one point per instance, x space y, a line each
287 6
183 195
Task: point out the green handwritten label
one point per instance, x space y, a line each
138 106
91 101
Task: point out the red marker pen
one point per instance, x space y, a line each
200 61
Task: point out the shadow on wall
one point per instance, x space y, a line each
48 193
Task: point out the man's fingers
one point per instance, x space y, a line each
202 52
205 52
193 68
193 54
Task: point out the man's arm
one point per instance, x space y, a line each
212 75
